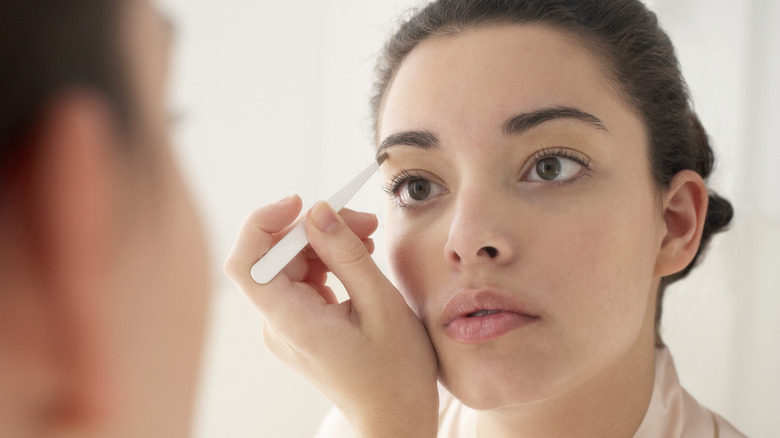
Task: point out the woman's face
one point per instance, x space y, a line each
523 224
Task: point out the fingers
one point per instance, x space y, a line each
347 349
345 254
257 234
268 224
303 268
301 288
362 224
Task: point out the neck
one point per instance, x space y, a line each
612 403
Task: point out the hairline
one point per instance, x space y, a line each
579 36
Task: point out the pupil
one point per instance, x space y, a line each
548 168
419 189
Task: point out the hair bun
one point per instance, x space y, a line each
719 215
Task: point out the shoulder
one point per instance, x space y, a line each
724 429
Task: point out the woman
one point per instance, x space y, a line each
103 260
545 174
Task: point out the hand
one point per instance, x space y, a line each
370 355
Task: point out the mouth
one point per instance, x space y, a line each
475 317
482 312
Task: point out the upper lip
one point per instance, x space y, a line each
466 302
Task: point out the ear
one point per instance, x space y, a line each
60 222
684 211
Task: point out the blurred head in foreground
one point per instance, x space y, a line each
102 257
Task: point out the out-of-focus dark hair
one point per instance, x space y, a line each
49 46
638 55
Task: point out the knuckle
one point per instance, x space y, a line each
282 344
353 253
229 268
234 269
256 216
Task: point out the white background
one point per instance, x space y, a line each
273 97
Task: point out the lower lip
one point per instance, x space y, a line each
477 329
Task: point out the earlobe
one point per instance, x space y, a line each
684 211
62 215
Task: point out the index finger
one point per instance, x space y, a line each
257 234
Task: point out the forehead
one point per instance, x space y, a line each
494 70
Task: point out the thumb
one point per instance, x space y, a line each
346 256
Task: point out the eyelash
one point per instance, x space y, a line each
558 152
405 176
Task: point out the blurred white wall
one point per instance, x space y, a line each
274 101
722 323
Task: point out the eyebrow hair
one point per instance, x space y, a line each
521 123
515 125
423 139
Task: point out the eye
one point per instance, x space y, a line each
559 165
411 190
417 191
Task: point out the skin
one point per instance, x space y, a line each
370 355
578 252
583 257
105 320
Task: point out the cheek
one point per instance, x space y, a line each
601 276
414 253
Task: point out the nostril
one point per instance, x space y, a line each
490 251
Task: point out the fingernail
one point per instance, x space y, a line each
324 218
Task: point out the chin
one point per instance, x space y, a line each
486 397
485 381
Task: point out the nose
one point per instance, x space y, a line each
481 233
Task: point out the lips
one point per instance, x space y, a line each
481 316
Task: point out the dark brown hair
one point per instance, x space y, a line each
639 56
49 46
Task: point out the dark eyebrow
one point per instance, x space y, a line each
423 139
515 125
521 123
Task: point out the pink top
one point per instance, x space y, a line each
672 413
